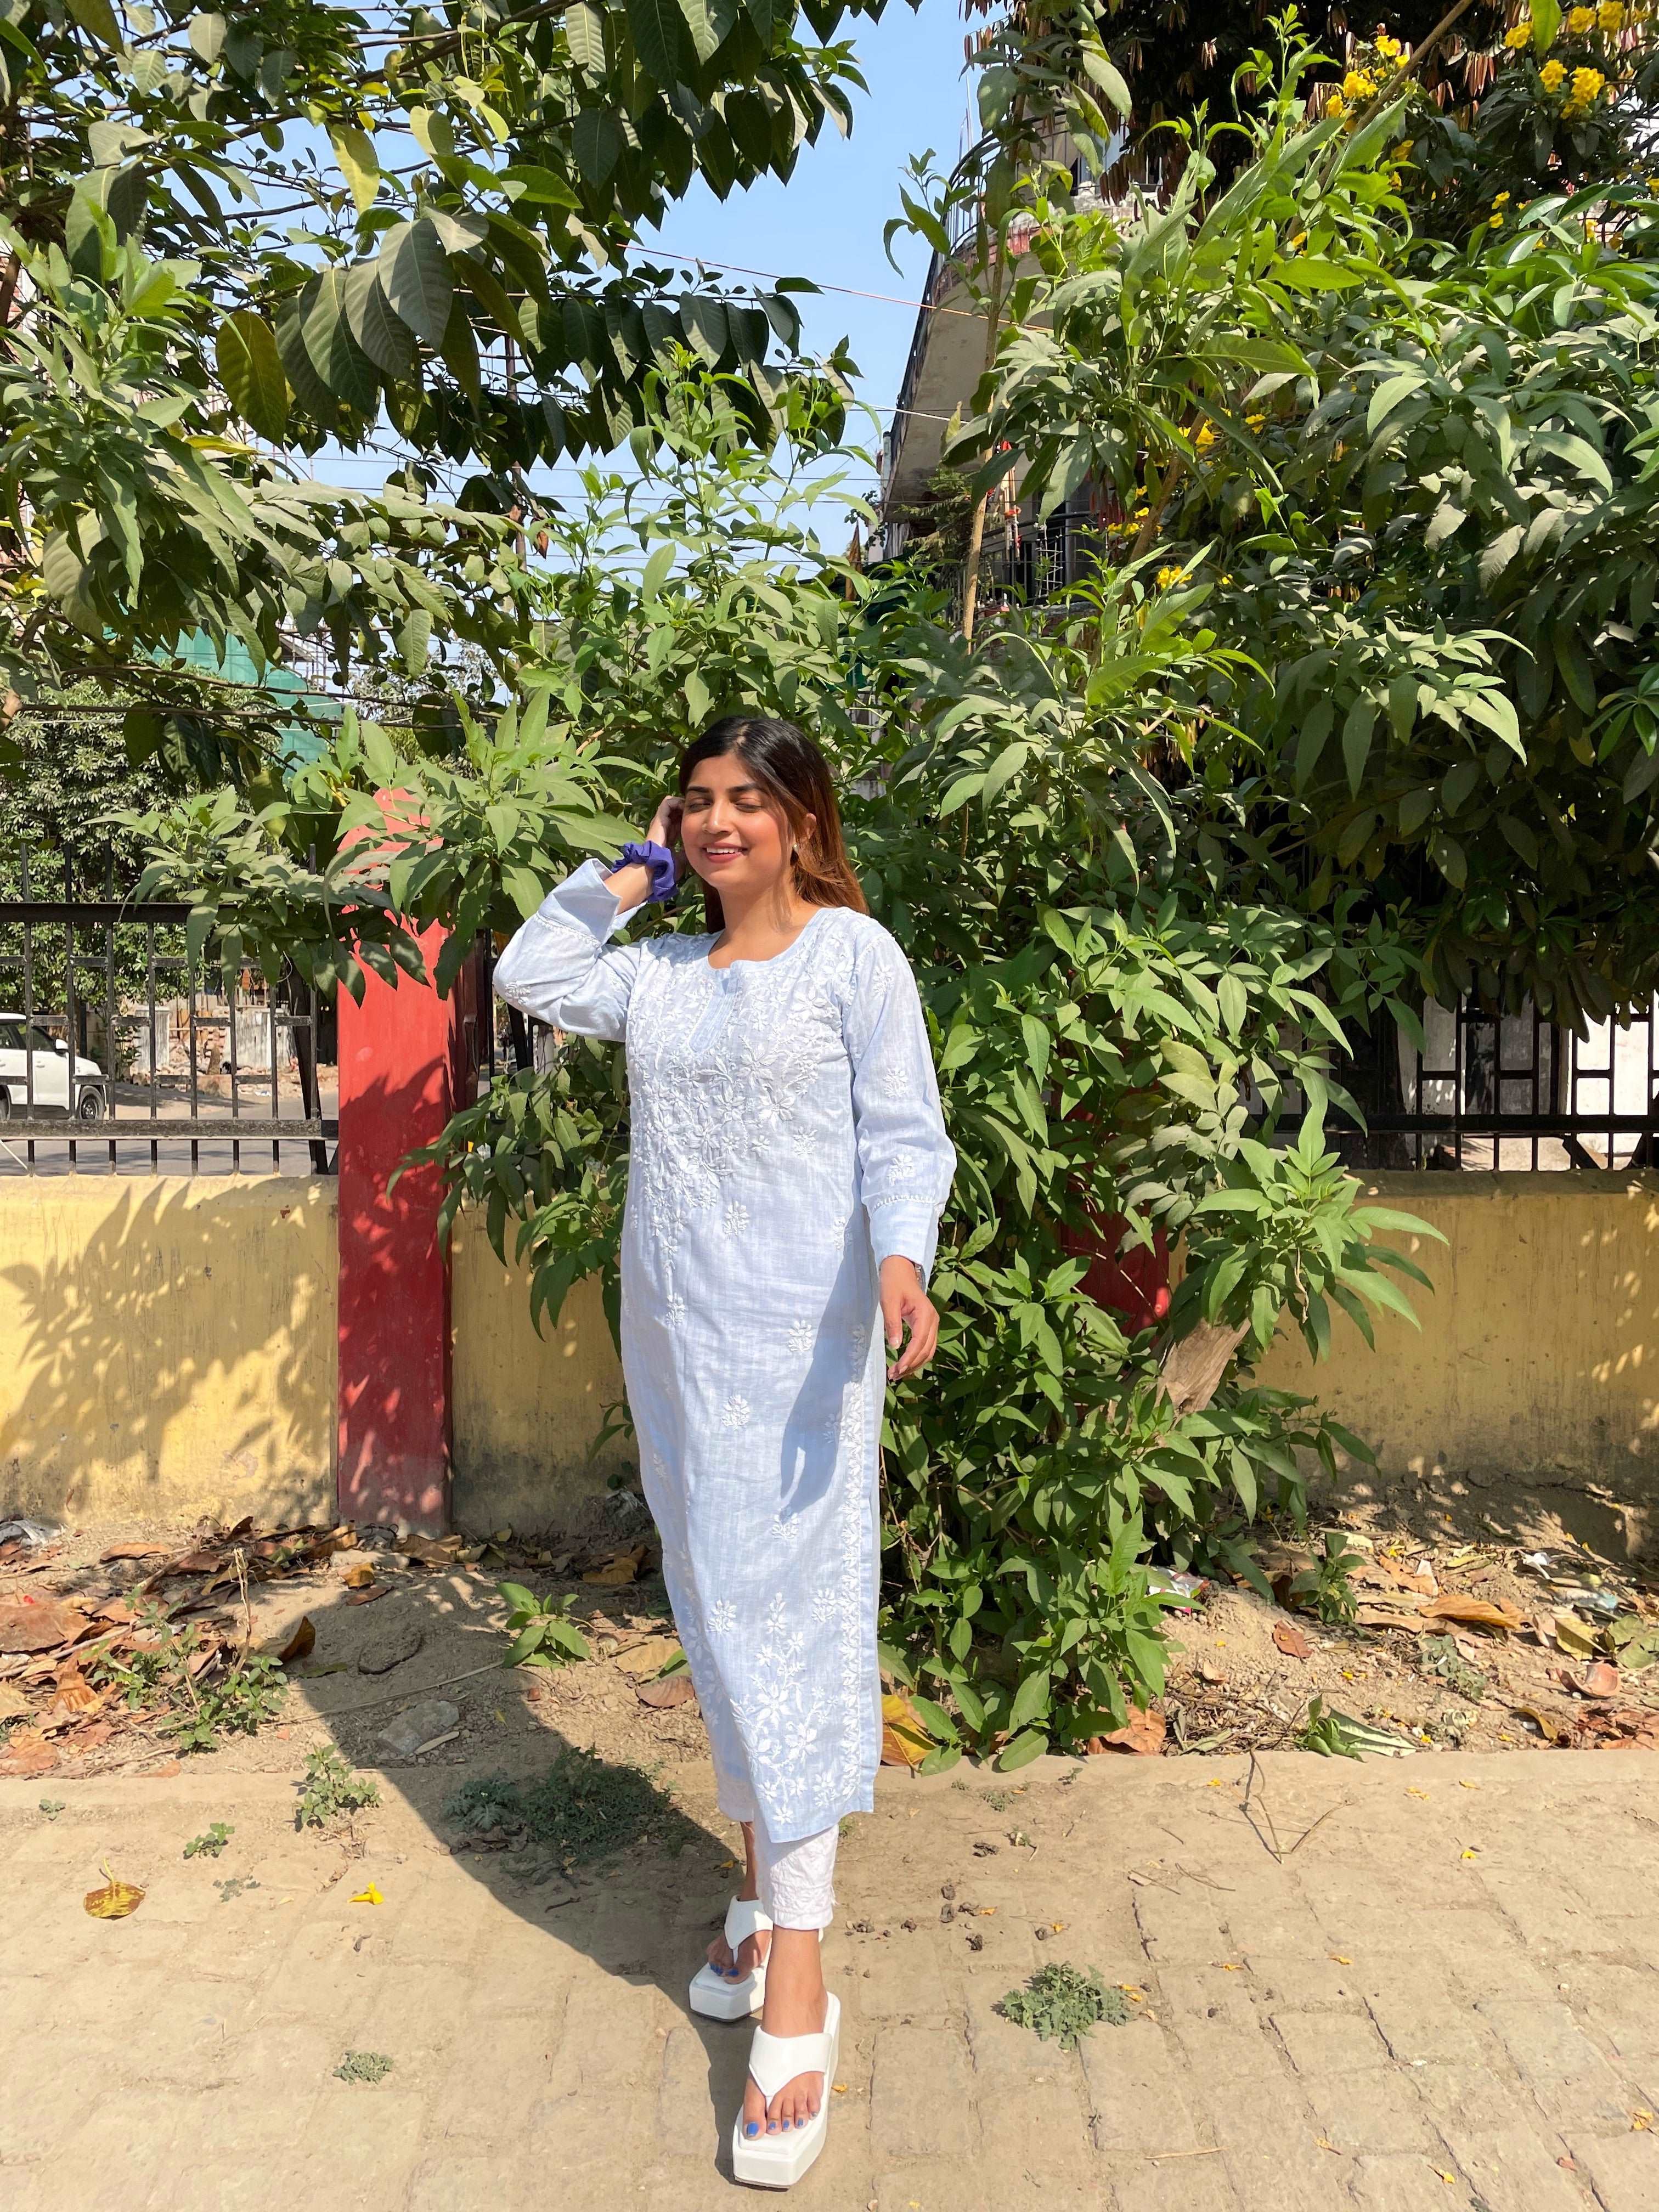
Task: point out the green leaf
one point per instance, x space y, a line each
335 354
1389 395
98 17
596 144
1356 740
1031 1700
382 335
415 278
207 38
584 31
655 25
1021 1751
1110 80
353 150
251 371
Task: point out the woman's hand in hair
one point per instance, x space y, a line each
665 823
904 1302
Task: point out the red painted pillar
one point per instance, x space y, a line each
403 1068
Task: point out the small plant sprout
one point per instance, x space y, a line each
543 1632
370 2066
330 1791
211 1844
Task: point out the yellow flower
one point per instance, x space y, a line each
1571 111
1205 437
1226 580
1297 241
1518 34
1552 76
1586 84
1494 222
1336 105
1402 152
1253 421
1653 187
1358 86
1390 48
1580 19
1166 577
1500 199
1610 16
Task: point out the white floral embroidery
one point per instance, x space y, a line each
777 1110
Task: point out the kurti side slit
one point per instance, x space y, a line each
786 1138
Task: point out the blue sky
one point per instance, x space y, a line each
827 221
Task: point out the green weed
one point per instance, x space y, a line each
330 1791
211 1844
364 2066
195 1690
580 1811
1063 2003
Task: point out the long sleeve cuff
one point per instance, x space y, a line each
585 898
905 1229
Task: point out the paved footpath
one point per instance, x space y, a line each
1443 1996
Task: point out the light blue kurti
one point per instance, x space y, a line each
786 1139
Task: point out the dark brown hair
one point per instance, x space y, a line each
789 768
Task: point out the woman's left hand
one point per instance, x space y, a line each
904 1300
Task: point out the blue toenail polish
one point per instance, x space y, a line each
771 2126
751 2127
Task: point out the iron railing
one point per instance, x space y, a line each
111 1049
1509 1091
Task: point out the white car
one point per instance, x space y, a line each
26 1053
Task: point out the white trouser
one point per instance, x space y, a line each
797 1881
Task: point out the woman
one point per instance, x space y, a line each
788 1166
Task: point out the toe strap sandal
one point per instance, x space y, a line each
724 1996
778 2159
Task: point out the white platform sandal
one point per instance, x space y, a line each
779 2161
717 1996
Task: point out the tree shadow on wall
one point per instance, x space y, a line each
189 1328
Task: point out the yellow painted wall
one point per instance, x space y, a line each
526 1407
166 1347
1539 1352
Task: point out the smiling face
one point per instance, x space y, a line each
735 833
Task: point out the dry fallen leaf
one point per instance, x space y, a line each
360 1577
663 1695
40 1626
619 1568
904 1742
133 1552
1473 1613
302 1643
28 1753
648 1657
12 1701
1291 1640
115 1900
1548 1726
1145 1734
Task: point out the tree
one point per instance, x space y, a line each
1406 478
1098 1013
226 236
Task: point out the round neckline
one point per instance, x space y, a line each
772 958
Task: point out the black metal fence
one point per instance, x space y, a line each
115 1055
1511 1091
